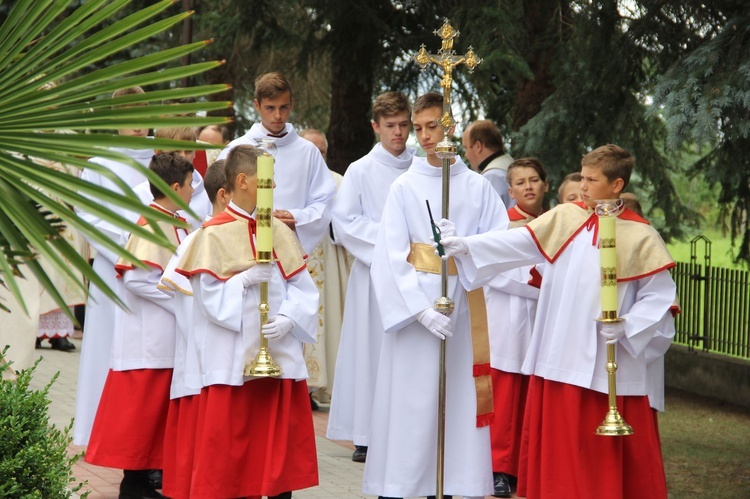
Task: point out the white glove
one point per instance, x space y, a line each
435 322
447 228
612 331
277 327
454 246
261 272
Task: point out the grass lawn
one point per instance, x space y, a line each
706 447
721 250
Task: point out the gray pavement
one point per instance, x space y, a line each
339 476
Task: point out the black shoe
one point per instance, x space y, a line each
38 343
283 495
135 485
314 405
62 344
154 478
360 454
502 485
444 497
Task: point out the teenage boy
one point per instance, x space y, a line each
512 297
567 394
356 216
303 185
406 279
570 188
128 432
100 310
254 433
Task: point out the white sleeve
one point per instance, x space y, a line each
221 302
143 283
301 305
354 231
312 220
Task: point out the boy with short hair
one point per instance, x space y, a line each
199 202
128 432
254 433
217 188
567 395
356 215
406 279
304 186
512 298
570 188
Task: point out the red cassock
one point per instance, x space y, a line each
260 433
179 445
560 420
128 431
509 399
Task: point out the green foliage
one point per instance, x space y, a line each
34 461
51 79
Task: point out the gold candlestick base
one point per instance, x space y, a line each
613 425
263 366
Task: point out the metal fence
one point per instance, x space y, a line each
715 305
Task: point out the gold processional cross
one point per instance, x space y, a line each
447 59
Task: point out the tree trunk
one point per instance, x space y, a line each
350 134
542 21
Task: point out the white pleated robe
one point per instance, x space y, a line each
356 215
401 459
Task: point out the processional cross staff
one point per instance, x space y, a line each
446 150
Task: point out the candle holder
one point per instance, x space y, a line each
263 364
607 210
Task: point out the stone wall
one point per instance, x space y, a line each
707 374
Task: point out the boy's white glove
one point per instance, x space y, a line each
447 228
454 246
277 327
612 331
261 272
435 322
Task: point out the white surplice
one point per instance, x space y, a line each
226 323
565 346
403 440
356 215
100 310
304 186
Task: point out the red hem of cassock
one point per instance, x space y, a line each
179 443
254 439
561 456
128 431
509 398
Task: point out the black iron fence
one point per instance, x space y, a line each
715 305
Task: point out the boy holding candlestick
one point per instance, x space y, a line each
567 394
254 433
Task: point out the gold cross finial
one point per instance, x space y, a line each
447 59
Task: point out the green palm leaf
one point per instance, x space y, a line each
41 44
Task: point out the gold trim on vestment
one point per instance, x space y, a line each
226 249
149 252
640 249
423 258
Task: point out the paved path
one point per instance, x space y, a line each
339 476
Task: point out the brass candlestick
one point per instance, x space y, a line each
446 150
263 364
607 211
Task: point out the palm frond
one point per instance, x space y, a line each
46 49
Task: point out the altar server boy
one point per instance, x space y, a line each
567 393
254 433
128 431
